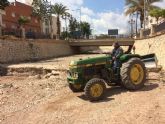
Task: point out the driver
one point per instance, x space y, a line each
117 52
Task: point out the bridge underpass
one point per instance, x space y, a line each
106 42
88 45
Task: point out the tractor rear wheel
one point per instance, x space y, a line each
133 74
95 89
76 87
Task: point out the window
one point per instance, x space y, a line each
47 30
36 21
29 18
151 21
13 27
13 14
4 25
46 22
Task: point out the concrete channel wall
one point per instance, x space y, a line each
152 45
13 51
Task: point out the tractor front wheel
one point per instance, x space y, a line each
133 74
95 89
76 87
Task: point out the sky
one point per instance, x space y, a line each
101 14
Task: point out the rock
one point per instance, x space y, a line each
1 86
163 80
55 73
7 86
30 83
31 77
37 76
48 75
1 92
52 77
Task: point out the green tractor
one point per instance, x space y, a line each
92 74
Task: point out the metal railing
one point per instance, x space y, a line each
29 34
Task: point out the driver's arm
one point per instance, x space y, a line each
119 53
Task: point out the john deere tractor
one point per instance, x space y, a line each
92 74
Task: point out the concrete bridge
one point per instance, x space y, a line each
101 42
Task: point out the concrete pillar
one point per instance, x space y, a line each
57 37
152 30
141 33
0 30
0 24
23 33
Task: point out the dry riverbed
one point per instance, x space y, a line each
33 100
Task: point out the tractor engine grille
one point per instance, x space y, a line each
72 74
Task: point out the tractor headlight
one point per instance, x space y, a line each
75 75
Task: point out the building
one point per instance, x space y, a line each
152 20
2 12
13 13
29 2
46 27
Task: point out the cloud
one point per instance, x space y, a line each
160 4
107 20
87 11
71 4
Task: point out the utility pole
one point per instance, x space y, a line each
80 20
144 14
131 22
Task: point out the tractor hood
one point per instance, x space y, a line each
89 61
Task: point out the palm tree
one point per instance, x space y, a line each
59 10
138 6
22 21
3 4
41 10
85 28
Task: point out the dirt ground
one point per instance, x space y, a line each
28 100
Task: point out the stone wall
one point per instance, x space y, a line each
152 45
18 51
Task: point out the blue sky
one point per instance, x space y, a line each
101 14
105 5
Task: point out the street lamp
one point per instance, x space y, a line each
79 11
80 19
145 8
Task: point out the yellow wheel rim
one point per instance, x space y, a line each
77 86
137 74
96 90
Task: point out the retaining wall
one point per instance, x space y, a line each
18 51
152 45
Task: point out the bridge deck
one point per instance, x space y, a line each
105 42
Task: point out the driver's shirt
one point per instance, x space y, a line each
117 52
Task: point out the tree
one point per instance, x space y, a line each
59 10
85 29
157 13
138 6
73 26
42 10
22 21
3 4
66 16
163 13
